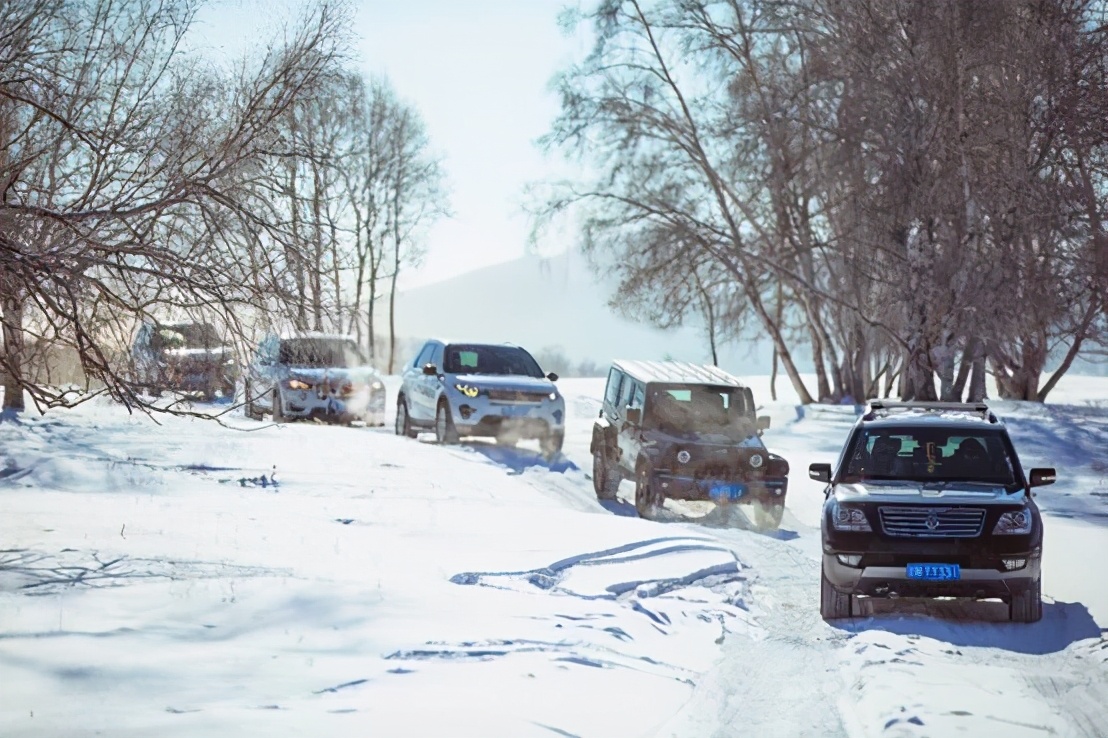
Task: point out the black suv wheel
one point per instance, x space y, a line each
1026 605
833 605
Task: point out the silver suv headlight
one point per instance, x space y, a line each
849 519
1016 523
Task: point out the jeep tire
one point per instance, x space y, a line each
647 501
767 515
833 605
605 476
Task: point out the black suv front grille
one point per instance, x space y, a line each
932 522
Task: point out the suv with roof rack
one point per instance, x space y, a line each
686 432
928 499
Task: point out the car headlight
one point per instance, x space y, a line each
1016 523
377 385
553 395
849 519
467 389
296 384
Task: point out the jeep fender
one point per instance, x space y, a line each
602 435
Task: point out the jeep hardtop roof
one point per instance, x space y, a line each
676 372
892 412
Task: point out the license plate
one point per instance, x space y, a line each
727 491
514 411
934 572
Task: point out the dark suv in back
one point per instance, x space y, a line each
184 357
930 500
687 432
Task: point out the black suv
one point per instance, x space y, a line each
929 500
184 357
686 432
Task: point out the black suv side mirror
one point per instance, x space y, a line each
763 423
820 472
552 377
1041 477
633 416
430 370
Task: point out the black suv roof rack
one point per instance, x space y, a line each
882 407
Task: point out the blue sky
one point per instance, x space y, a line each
478 72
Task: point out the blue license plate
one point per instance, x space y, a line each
721 491
514 411
934 572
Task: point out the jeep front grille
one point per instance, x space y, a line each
499 395
932 522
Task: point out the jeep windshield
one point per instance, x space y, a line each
320 353
932 455
699 410
479 359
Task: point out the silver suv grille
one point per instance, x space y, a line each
932 522
499 395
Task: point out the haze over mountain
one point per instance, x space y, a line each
557 302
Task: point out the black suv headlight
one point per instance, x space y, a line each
1017 523
849 519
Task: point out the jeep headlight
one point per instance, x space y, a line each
297 384
849 519
1016 523
467 389
377 385
553 395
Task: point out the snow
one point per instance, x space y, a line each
181 578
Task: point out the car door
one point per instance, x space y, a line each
418 402
630 435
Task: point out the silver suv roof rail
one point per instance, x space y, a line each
882 408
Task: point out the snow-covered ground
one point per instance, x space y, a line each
184 579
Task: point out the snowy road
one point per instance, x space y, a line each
155 581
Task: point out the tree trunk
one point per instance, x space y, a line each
773 378
12 323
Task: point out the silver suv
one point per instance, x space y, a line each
480 389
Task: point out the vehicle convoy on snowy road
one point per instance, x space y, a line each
686 432
316 376
477 389
930 500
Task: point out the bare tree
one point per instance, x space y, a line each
127 168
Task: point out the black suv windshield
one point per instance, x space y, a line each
699 409
319 353
478 359
931 454
185 335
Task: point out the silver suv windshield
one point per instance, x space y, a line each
482 359
685 410
320 353
932 454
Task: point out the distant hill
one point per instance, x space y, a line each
556 303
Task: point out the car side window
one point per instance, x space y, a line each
436 356
611 396
626 391
423 357
638 395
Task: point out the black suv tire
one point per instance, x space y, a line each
833 605
551 444
605 476
768 516
1026 605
